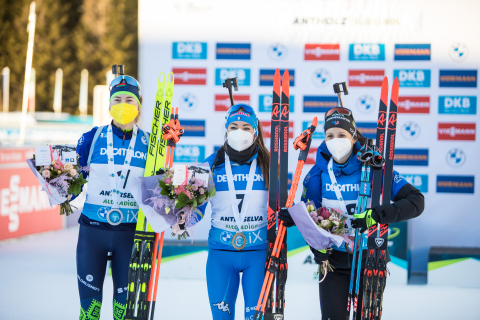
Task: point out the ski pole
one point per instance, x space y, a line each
302 142
228 84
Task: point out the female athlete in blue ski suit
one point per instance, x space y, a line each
343 141
229 253
98 236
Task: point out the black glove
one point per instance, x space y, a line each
285 216
365 220
320 255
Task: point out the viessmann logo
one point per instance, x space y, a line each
322 52
412 52
456 131
413 104
237 51
195 76
458 78
365 78
222 101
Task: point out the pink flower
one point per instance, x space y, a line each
168 181
199 183
194 187
201 190
46 174
324 212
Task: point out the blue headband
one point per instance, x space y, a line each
247 114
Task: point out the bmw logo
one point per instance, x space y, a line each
456 157
277 51
366 103
410 130
321 77
226 237
144 140
458 52
102 212
188 101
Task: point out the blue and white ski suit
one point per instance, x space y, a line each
225 263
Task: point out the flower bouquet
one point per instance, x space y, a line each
60 181
330 220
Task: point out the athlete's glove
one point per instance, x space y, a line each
285 216
320 255
364 220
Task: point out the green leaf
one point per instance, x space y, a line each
164 192
211 192
183 197
194 205
162 184
179 205
201 199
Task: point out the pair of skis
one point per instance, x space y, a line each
144 266
375 272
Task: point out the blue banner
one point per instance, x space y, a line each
419 181
265 103
368 129
189 50
366 51
193 128
266 76
413 77
458 78
319 132
189 153
237 51
242 75
412 52
457 104
455 184
411 157
319 104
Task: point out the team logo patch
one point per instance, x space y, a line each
102 212
226 237
222 306
379 242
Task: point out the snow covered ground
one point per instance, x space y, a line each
38 281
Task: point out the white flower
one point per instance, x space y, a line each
325 223
46 167
46 174
73 172
68 167
336 223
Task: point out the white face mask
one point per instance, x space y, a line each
239 140
339 147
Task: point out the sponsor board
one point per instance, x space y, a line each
366 51
265 103
366 103
277 51
311 156
242 75
365 78
458 52
319 103
412 52
267 130
15 155
456 131
188 101
266 76
413 104
193 76
322 52
193 128
319 133
419 181
367 129
238 51
410 130
413 78
189 153
457 105
458 78
456 184
411 157
189 50
24 207
455 157
222 101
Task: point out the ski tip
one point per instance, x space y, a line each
395 89
170 74
286 83
160 77
384 92
276 82
314 122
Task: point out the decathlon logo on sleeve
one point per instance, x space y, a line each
222 101
265 102
412 52
189 50
194 76
412 78
413 104
457 131
322 52
238 51
457 105
458 78
366 51
365 78
242 75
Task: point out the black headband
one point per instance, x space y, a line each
339 120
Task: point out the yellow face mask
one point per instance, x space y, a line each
124 112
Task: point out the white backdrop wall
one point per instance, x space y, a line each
420 41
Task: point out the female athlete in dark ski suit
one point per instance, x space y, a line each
118 149
342 140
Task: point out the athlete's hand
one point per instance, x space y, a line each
364 220
285 216
320 255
